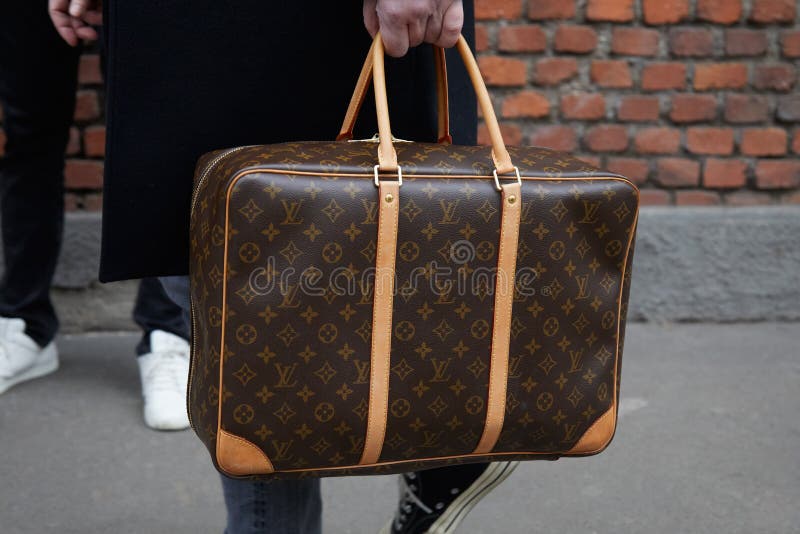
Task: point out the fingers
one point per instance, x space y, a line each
93 18
370 17
62 21
87 32
393 21
416 32
78 7
395 40
72 19
407 23
83 30
452 22
433 27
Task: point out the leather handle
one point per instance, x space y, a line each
360 93
387 156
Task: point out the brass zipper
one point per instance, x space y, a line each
208 169
192 360
193 354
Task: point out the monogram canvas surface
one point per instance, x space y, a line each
285 240
381 305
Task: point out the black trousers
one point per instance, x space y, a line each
38 78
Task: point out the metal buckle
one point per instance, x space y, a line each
399 176
497 180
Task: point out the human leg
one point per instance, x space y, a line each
38 75
276 507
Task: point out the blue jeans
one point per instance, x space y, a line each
276 507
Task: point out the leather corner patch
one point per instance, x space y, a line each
599 434
239 457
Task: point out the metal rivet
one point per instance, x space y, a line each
512 199
389 197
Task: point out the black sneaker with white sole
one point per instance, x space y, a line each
436 501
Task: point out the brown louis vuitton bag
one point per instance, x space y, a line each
384 306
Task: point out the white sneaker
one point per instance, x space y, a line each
21 358
165 374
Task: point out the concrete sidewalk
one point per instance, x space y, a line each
708 442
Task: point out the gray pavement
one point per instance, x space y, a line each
708 442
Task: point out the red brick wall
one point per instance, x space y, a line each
698 101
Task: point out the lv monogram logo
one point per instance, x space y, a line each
431 438
576 360
362 368
356 443
281 449
570 432
370 211
290 299
449 211
366 294
590 212
445 294
583 286
440 369
525 214
292 209
513 367
285 375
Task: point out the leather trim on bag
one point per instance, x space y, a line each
234 455
383 298
371 175
599 434
503 304
238 456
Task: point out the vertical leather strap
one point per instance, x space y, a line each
387 155
383 299
443 115
503 302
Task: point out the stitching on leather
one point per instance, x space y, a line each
371 176
220 382
591 427
394 209
494 422
373 372
249 444
508 309
395 213
498 300
392 215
